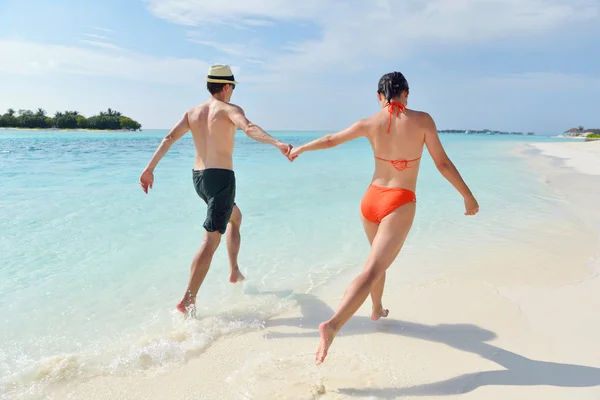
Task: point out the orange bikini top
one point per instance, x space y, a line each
395 107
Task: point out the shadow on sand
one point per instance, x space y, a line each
519 370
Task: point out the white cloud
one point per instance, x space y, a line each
244 12
102 45
93 35
27 58
354 32
99 28
249 52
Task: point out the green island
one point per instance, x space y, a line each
105 120
483 132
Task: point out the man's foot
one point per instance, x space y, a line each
187 306
380 312
236 276
327 335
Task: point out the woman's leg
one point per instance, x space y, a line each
386 245
377 291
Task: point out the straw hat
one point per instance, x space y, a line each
220 73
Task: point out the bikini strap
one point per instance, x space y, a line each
400 165
394 107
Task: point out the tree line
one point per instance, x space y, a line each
105 120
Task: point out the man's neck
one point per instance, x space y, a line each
220 97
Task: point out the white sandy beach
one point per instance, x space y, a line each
583 156
516 319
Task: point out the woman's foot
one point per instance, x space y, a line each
327 335
379 312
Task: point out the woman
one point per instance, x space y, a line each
397 136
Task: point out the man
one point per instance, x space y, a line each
213 125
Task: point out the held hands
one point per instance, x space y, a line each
296 151
289 151
285 149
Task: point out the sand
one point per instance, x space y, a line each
582 156
513 320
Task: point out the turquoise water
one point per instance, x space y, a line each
91 267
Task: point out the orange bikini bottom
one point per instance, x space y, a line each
378 202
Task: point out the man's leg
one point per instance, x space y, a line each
377 291
199 269
233 239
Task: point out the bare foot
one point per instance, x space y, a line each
187 305
180 307
327 335
379 313
236 276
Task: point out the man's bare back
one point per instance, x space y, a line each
213 133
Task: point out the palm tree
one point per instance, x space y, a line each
40 112
112 113
11 112
58 114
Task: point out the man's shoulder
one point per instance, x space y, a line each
235 107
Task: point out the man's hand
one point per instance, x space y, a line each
471 206
146 180
285 149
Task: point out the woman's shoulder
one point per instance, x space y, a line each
418 113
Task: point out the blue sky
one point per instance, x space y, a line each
527 65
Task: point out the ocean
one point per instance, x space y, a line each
91 267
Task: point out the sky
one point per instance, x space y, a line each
515 65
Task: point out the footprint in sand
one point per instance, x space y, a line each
295 377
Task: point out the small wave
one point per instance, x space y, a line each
185 339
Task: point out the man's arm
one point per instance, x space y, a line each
355 131
174 135
445 165
147 177
238 117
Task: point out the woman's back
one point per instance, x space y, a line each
397 151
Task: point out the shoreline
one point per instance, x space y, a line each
584 157
487 328
67 130
442 132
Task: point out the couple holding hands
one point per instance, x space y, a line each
398 137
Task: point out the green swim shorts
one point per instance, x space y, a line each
216 187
